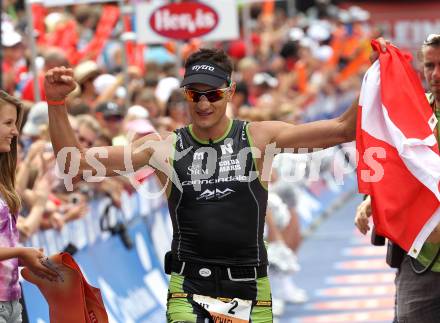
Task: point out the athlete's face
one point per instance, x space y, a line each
207 105
431 68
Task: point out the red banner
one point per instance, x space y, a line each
406 23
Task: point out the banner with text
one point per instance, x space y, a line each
160 22
59 3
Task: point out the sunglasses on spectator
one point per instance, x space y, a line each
84 140
113 118
212 95
432 39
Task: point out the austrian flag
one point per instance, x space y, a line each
399 162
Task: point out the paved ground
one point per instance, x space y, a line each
346 278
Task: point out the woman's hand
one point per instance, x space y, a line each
33 259
36 149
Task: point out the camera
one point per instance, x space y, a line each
168 262
121 230
377 240
74 198
115 227
85 190
395 254
70 249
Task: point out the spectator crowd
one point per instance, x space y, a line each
294 68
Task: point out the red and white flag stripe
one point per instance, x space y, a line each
399 162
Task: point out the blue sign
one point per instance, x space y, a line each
132 282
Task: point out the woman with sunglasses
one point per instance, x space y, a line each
218 169
12 255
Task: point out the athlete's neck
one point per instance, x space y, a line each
213 133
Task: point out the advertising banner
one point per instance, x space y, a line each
406 23
59 3
160 22
132 282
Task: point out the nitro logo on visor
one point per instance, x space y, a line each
203 67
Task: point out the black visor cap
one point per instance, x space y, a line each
205 73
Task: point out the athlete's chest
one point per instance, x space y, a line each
217 171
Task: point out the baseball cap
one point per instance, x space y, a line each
265 78
205 73
37 117
358 14
323 53
103 82
165 86
10 37
296 33
237 49
140 126
319 32
138 112
109 109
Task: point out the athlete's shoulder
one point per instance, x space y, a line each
258 132
265 126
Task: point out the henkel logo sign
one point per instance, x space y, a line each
184 20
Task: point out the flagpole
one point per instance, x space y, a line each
246 17
33 47
291 8
179 53
125 37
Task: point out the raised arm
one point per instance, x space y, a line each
319 134
105 161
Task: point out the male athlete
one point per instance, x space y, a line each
217 196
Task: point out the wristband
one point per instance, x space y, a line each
54 103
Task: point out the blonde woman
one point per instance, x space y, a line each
11 255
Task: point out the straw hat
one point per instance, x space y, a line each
86 70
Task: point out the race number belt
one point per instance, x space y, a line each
221 309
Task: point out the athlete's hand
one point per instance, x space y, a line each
383 47
34 259
58 83
363 214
